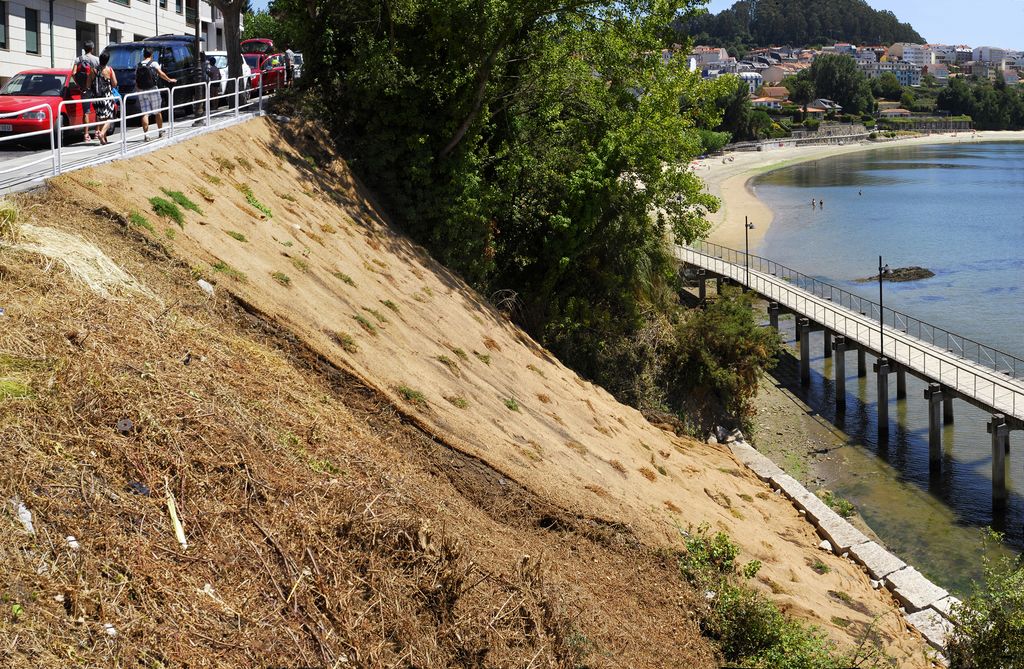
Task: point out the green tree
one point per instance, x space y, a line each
887 87
736 107
263 24
956 98
801 91
837 78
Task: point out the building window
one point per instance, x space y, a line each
3 25
115 35
126 3
179 6
163 4
85 32
32 31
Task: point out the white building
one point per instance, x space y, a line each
989 54
908 74
50 33
916 54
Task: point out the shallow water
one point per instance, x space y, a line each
959 211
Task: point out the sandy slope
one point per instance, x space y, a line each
487 389
730 180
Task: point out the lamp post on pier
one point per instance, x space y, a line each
883 271
747 227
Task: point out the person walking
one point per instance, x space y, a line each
147 75
289 66
104 81
82 71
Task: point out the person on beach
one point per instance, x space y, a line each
147 74
821 204
102 84
812 203
82 70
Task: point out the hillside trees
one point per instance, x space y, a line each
537 147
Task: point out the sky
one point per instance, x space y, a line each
990 23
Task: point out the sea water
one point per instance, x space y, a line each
958 210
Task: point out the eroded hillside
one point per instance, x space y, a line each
368 460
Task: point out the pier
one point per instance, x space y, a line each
953 367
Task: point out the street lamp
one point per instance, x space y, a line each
747 227
883 271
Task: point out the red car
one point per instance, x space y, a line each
32 88
259 45
268 68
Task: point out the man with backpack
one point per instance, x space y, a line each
82 72
147 75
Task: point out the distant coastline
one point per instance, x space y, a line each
730 180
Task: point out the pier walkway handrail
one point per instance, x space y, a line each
982 373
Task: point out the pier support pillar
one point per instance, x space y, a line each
947 407
933 393
839 344
901 383
773 315
702 285
803 327
882 383
862 363
828 343
1000 432
718 285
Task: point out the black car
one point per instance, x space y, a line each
177 58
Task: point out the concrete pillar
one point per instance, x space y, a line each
933 393
803 328
773 315
839 344
947 407
882 383
901 383
718 285
862 362
828 343
702 284
1000 432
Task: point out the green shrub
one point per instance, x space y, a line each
140 221
988 628
182 200
167 209
236 235
841 506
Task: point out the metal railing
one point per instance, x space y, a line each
852 316
176 103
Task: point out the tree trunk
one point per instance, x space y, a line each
232 11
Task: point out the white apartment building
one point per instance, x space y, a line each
907 74
916 54
50 33
989 54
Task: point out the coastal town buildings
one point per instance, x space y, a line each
50 33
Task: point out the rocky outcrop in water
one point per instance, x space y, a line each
901 274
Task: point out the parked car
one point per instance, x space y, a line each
268 68
260 45
177 58
35 87
221 61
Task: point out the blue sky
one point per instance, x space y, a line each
990 23
260 4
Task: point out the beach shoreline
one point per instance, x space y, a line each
729 178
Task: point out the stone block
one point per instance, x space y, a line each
913 590
945 605
878 561
842 534
789 485
932 626
764 468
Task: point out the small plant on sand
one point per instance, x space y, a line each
212 178
170 233
460 354
459 402
390 305
345 278
537 371
236 235
820 567
300 264
452 366
282 278
365 323
224 164
244 163
167 209
511 404
412 396
376 314
250 197
482 357
222 267
204 192
140 221
346 341
182 200
287 198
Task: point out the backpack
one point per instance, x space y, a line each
101 87
144 77
82 71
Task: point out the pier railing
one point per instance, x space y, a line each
958 345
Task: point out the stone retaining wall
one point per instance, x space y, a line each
926 606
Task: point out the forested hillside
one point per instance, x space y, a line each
754 23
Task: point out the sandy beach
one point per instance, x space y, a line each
730 180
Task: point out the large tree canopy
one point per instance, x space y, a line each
536 146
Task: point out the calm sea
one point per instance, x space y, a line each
957 210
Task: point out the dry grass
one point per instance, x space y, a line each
10 230
648 474
619 467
